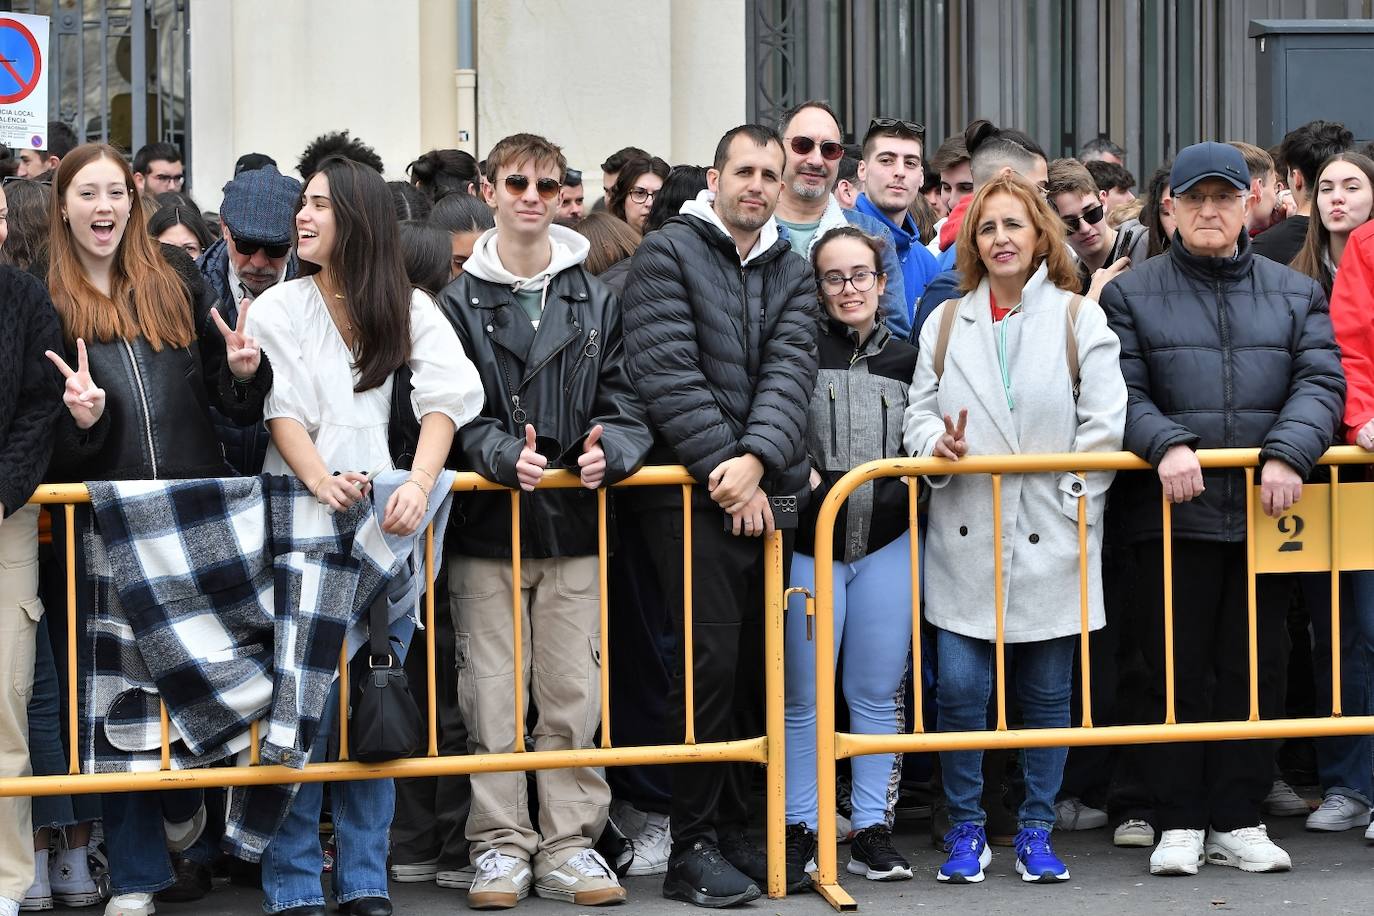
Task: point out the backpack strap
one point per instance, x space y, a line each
947 316
1071 342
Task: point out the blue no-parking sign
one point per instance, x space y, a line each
23 81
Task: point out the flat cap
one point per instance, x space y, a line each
260 206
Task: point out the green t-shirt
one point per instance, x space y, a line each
529 300
800 235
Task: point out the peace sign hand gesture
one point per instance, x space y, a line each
952 444
85 401
243 351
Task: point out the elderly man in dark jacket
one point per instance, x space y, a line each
720 324
1220 348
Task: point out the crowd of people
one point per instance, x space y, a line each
800 307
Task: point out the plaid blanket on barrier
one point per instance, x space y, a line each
230 600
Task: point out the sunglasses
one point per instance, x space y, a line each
1091 216
249 248
830 149
11 179
910 127
546 188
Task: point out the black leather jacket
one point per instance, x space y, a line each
157 422
569 376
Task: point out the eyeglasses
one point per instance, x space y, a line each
11 179
910 127
830 149
1092 216
1195 200
248 248
642 195
167 177
546 188
862 281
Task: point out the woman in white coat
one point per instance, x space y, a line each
1006 387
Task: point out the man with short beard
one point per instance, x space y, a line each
720 321
807 210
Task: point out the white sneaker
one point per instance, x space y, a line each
39 895
69 874
1072 814
10 907
628 819
652 847
1369 834
1248 849
1337 813
502 881
182 836
415 872
583 879
460 878
1133 832
130 905
1282 801
1179 853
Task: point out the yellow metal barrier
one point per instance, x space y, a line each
766 750
1328 529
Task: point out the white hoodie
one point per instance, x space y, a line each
569 249
702 209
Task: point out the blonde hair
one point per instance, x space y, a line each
1050 247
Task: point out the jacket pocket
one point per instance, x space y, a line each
467 683
134 721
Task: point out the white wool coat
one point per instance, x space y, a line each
1039 511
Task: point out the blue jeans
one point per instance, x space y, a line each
1343 760
135 841
873 630
1044 679
47 752
362 812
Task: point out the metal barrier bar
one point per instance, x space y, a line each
602 552
1084 650
432 659
1251 599
73 709
774 721
688 647
517 621
918 716
1336 704
999 608
1167 514
343 702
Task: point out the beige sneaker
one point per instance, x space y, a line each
582 878
502 881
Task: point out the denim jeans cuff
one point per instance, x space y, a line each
271 907
366 892
1348 792
1037 825
115 891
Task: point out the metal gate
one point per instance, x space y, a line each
104 55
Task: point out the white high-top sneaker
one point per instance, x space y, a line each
69 875
39 896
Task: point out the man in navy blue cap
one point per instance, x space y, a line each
258 217
1220 349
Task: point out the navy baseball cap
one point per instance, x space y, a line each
260 206
1209 160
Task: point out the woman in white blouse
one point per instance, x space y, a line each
337 337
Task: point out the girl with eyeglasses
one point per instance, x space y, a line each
855 416
635 188
339 334
1020 364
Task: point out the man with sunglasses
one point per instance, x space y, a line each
254 253
545 337
1103 252
891 173
807 209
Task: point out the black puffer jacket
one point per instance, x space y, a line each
1221 353
723 354
30 387
157 422
569 376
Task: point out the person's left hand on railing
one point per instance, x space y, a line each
733 482
242 351
85 401
592 461
754 518
1280 487
406 508
1365 437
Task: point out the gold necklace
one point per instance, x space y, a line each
329 307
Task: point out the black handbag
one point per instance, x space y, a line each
384 720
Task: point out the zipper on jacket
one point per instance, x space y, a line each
885 407
143 400
1228 395
589 349
834 436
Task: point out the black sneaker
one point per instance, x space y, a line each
741 852
801 857
872 855
193 881
701 876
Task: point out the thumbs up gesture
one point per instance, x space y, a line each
592 461
529 467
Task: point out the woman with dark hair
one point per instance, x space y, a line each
635 188
684 183
464 218
1007 360
426 250
441 172
1344 199
182 227
407 202
1157 215
612 244
338 335
143 364
26 246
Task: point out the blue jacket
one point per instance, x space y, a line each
919 266
944 287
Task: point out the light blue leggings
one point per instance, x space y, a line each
873 630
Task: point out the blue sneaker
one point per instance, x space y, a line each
968 855
1035 858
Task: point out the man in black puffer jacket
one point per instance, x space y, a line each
720 326
1220 348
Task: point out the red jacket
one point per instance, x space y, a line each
949 232
1352 314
